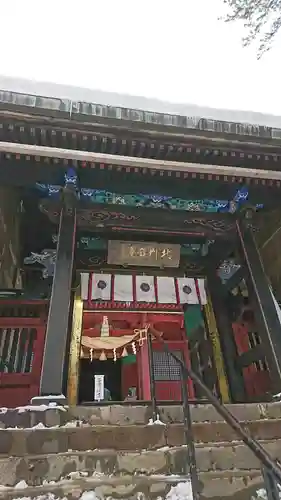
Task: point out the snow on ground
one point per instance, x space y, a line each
182 491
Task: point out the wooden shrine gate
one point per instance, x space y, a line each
22 338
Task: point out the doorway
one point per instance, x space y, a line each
112 372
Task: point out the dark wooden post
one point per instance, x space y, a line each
56 344
264 308
234 374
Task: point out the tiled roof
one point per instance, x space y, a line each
74 100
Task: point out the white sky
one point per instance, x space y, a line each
176 51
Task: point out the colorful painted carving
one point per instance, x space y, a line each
46 258
151 200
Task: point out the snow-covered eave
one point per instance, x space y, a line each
70 102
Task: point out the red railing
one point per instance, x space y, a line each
256 375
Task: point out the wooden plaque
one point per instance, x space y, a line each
137 253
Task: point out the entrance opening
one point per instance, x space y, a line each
112 373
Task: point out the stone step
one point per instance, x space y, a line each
35 469
231 485
20 442
28 416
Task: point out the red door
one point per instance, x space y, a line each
167 371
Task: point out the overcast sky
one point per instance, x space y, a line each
172 50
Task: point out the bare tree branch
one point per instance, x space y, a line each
261 18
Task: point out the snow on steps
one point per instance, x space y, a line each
54 443
50 416
223 457
137 487
225 469
41 440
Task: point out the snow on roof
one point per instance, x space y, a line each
53 90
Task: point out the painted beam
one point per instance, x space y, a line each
133 162
120 220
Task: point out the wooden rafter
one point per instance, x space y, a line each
138 163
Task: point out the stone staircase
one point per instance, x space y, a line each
111 450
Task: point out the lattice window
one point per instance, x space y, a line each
17 349
166 368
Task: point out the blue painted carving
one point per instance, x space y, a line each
71 178
47 258
149 200
227 269
239 203
55 191
49 190
154 200
241 195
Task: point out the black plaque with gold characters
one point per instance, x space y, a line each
139 253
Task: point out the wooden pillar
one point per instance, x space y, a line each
54 360
217 351
235 377
264 308
74 354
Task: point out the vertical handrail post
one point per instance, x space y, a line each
270 483
191 466
152 377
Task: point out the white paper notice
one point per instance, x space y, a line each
99 388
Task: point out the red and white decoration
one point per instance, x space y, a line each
142 289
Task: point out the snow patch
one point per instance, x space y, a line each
22 484
262 495
182 491
277 396
155 422
89 495
50 406
50 396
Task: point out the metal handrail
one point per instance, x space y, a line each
271 469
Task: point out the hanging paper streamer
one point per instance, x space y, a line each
187 291
124 353
145 289
103 356
123 288
166 290
101 287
